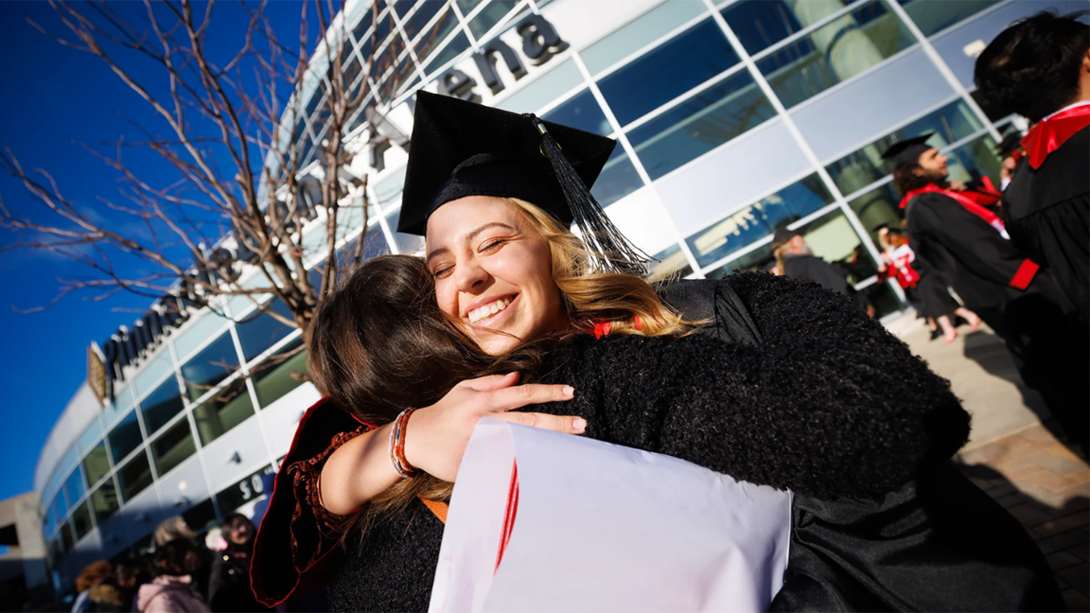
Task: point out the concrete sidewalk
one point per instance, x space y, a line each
1013 453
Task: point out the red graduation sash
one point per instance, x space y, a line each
1048 135
968 203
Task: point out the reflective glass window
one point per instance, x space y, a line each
134 477
374 243
424 12
124 437
81 521
583 112
467 6
881 205
91 435
96 465
172 447
200 331
280 373
66 537
453 49
950 123
700 124
388 190
104 501
489 16
671 264
758 260
360 31
383 26
759 24
226 409
839 50
667 71
974 160
60 508
213 364
406 243
161 405
262 330
544 89
759 220
638 33
434 35
618 179
74 487
402 7
931 17
153 372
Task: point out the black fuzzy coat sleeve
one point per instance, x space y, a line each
830 404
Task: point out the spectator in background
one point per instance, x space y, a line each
794 258
1010 151
172 590
92 575
229 587
175 527
1040 68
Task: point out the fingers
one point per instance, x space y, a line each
568 424
491 382
533 393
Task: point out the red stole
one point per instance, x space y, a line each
1048 135
968 203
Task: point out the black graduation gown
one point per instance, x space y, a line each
824 274
1047 213
788 400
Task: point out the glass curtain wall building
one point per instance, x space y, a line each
734 118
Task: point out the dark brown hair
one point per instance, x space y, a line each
905 178
1032 67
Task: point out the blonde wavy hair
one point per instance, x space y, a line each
593 296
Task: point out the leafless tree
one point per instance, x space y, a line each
239 197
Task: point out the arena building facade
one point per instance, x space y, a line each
733 118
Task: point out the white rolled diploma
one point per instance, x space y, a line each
601 527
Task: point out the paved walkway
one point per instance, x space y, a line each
1012 453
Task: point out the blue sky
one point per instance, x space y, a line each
54 98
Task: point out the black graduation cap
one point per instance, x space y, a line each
1009 143
907 151
461 149
784 235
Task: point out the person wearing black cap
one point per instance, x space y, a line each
968 244
1040 69
487 262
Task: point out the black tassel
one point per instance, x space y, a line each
612 251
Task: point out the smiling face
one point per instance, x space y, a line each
493 273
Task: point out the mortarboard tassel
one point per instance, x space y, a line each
614 252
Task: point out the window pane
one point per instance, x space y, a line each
161 405
374 243
490 16
865 166
431 38
974 160
759 220
582 112
758 260
672 263
213 364
641 31
618 179
134 477
762 23
881 205
834 52
90 436
406 243
455 47
263 331
104 501
73 487
81 521
66 537
419 19
544 89
226 409
174 446
60 508
124 437
931 17
360 31
668 71
280 373
700 124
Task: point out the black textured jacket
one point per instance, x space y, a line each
790 386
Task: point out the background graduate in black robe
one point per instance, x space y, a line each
1040 68
968 243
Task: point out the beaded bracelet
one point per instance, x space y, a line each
397 445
